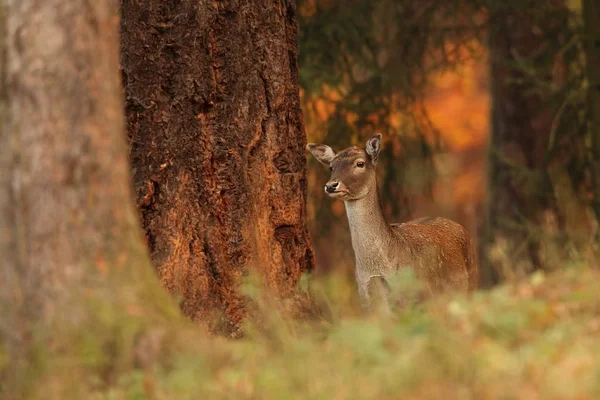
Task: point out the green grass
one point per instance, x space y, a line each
538 339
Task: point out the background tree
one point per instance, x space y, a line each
591 35
538 202
217 147
71 250
369 66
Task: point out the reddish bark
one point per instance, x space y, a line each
217 146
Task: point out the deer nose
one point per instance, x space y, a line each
331 187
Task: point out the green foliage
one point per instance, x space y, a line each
534 338
373 49
370 62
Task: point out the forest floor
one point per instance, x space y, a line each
537 339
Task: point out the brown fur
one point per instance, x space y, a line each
453 257
439 250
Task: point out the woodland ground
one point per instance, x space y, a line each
537 339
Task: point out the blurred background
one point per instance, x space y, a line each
486 116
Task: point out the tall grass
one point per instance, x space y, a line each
535 339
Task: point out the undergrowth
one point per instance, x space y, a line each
537 339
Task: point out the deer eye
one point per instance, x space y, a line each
360 164
330 169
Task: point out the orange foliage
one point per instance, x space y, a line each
458 105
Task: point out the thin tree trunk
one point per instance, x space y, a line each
217 147
68 226
591 16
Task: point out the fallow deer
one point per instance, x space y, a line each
439 251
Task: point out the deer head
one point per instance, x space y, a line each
352 169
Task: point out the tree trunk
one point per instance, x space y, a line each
68 227
217 147
519 187
591 15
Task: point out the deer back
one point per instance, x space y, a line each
442 253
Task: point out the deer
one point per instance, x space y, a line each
439 251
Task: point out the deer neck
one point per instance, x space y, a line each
370 232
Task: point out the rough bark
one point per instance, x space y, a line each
217 146
68 226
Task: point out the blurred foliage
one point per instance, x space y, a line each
380 52
365 67
534 339
541 158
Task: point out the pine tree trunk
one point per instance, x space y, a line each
68 227
217 147
591 15
538 212
519 187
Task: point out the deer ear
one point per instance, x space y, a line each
322 152
373 147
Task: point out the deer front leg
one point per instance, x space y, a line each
373 293
363 294
362 281
377 292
